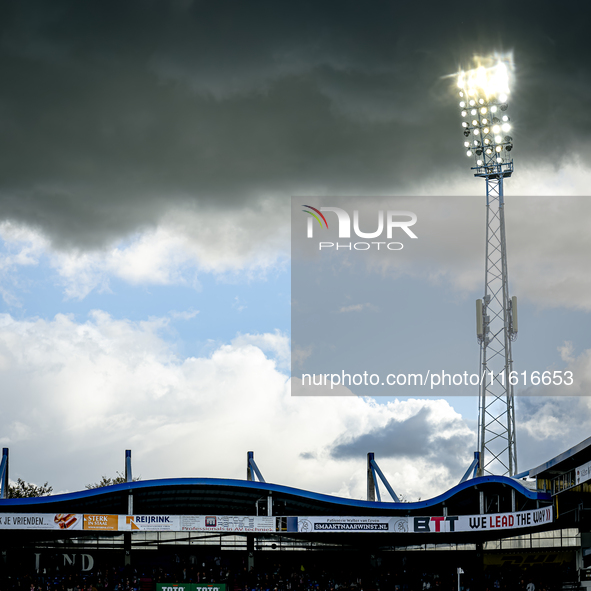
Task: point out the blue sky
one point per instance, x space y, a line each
201 316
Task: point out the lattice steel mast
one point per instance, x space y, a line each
483 94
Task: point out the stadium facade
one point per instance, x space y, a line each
538 518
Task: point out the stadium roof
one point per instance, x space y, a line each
569 460
186 496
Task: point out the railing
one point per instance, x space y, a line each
563 482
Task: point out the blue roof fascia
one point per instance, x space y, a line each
171 482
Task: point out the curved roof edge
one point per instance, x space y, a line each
166 482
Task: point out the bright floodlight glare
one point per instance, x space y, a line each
488 80
484 92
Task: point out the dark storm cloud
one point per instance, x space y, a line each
113 112
414 438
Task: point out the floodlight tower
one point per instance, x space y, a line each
483 105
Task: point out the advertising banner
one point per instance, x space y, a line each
149 523
254 524
434 524
132 522
352 524
101 522
190 587
69 521
219 523
583 473
496 521
228 523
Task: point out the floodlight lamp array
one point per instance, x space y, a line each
486 127
484 94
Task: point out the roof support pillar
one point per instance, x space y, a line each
371 482
128 478
252 469
373 472
4 474
472 469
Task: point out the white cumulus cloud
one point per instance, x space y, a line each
79 394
